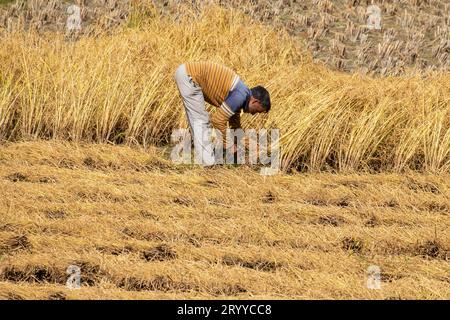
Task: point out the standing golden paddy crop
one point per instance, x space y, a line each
119 88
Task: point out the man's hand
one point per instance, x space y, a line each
233 149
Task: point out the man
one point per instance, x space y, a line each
221 87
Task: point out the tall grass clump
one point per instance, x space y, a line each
118 88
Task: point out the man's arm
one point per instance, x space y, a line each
235 123
219 121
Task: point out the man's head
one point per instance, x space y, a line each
259 101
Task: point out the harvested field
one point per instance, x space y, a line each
88 188
139 227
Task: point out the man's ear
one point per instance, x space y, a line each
262 107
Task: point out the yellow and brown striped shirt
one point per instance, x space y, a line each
216 82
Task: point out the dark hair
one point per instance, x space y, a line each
262 95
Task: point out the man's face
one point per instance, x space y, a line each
255 106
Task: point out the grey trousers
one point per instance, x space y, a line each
197 116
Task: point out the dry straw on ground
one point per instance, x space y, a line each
124 217
139 226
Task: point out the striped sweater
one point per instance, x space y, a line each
221 88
